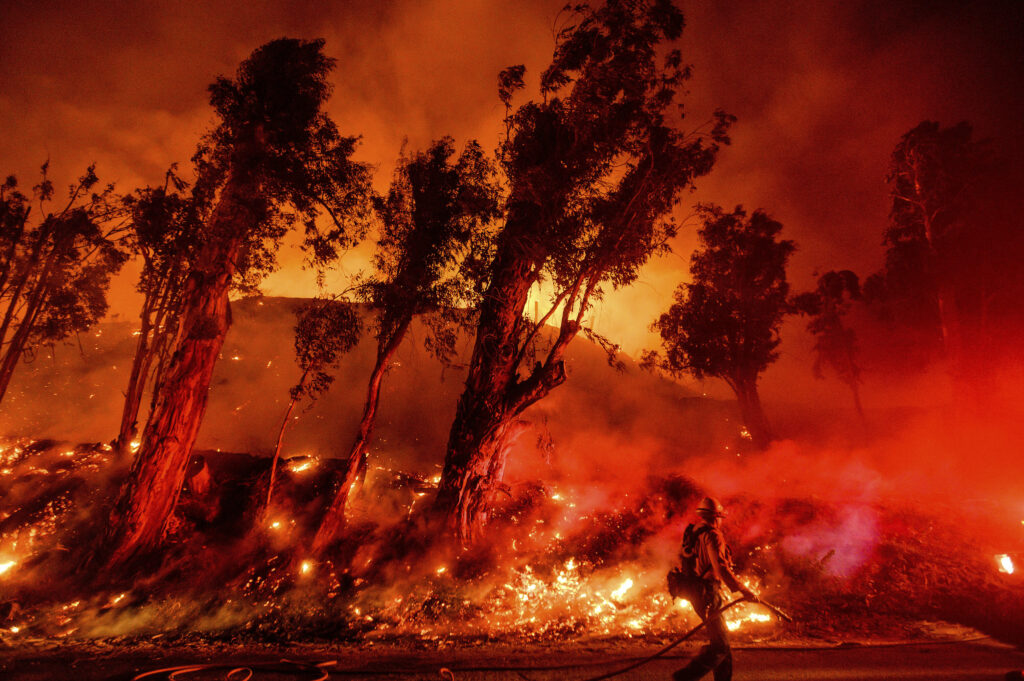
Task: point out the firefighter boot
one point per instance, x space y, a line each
709 658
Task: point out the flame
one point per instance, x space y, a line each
306 567
621 591
7 565
735 624
1005 563
302 464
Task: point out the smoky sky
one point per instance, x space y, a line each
822 91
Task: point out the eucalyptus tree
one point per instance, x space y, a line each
275 161
435 232
593 168
725 323
325 329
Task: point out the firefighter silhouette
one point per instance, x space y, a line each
706 565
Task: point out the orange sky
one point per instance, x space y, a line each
822 91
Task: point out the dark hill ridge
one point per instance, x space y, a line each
599 416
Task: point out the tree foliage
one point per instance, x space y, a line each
274 134
324 331
434 241
56 269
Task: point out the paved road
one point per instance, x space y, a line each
934 662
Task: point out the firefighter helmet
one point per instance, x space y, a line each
710 506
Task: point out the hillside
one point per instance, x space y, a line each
598 417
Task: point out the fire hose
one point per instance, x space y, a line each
245 673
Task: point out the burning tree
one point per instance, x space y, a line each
428 259
325 330
593 169
835 343
274 161
166 231
54 272
726 322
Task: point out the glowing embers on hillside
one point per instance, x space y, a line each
536 588
573 598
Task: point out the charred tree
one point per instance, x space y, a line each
434 228
325 330
56 272
726 322
275 160
166 232
593 170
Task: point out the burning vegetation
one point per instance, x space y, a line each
561 562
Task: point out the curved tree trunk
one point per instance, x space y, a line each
482 416
486 418
150 493
333 521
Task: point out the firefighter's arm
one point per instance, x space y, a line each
723 572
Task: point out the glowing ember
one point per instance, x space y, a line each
1005 563
4 567
15 630
306 567
135 444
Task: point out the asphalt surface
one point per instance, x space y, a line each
973 661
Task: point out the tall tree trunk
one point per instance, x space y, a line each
25 277
333 521
136 385
482 417
36 301
149 495
280 441
752 412
153 339
855 389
